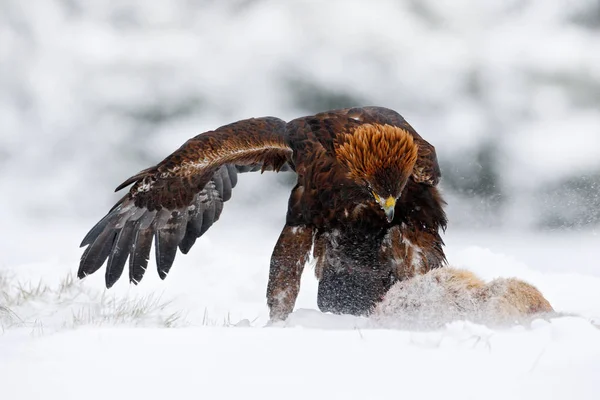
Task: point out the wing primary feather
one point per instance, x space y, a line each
218 209
165 253
146 220
139 212
193 228
93 234
118 254
188 240
195 220
139 254
218 181
167 240
208 217
231 170
97 252
227 185
162 217
124 217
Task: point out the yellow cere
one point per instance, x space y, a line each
390 202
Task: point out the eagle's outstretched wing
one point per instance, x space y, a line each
176 201
427 169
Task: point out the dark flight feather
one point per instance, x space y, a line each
119 253
194 181
140 254
97 252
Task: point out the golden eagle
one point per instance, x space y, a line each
365 203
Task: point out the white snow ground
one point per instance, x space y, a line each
203 333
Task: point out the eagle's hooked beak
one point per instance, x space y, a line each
388 207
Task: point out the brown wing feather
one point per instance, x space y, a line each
177 200
175 180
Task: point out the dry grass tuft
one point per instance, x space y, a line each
69 304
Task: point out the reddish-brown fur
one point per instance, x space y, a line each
447 294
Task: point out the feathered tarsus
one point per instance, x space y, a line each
365 196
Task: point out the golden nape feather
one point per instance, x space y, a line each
369 149
340 157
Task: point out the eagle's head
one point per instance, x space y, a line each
380 159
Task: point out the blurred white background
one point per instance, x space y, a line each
508 91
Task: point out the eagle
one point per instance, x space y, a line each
365 205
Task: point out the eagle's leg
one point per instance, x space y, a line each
287 262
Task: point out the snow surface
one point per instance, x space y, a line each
204 331
548 361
